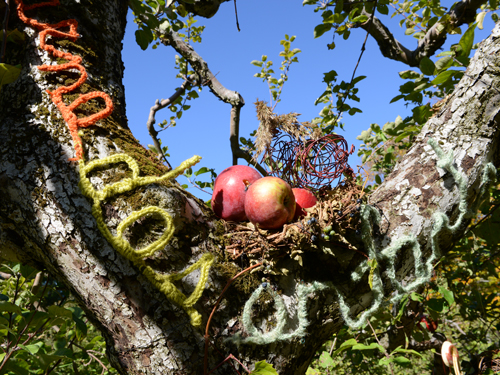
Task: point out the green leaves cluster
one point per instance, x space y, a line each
334 99
42 330
329 362
202 185
154 15
267 72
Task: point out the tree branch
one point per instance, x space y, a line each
464 12
186 85
207 78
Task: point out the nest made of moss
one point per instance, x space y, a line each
333 219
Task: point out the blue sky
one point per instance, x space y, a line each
204 129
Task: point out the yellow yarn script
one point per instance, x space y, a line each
163 282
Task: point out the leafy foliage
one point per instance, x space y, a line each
43 330
267 73
462 302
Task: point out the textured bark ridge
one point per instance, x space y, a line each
46 220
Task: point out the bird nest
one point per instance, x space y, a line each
334 218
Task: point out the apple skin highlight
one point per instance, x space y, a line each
228 197
269 203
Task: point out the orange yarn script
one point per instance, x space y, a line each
74 63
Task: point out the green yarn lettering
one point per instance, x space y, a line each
423 271
163 282
278 333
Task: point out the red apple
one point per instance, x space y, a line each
269 202
303 199
228 198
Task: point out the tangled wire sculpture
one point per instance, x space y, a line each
313 164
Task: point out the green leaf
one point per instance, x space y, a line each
257 63
396 98
402 360
372 346
345 345
321 29
193 94
378 180
81 328
313 371
385 361
339 6
436 304
416 297
10 307
263 368
16 366
427 66
447 294
361 18
407 351
402 306
143 37
467 40
372 263
422 113
32 349
383 9
443 77
357 79
8 74
444 63
330 76
59 312
201 171
64 352
409 74
325 360
14 36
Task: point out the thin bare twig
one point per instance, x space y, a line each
385 351
236 14
186 85
227 96
363 48
207 335
230 356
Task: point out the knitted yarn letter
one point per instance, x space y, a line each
67 111
163 282
276 334
423 271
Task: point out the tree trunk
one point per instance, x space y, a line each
45 218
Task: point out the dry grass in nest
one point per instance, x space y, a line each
271 124
325 226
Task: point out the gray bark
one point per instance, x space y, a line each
46 220
463 13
